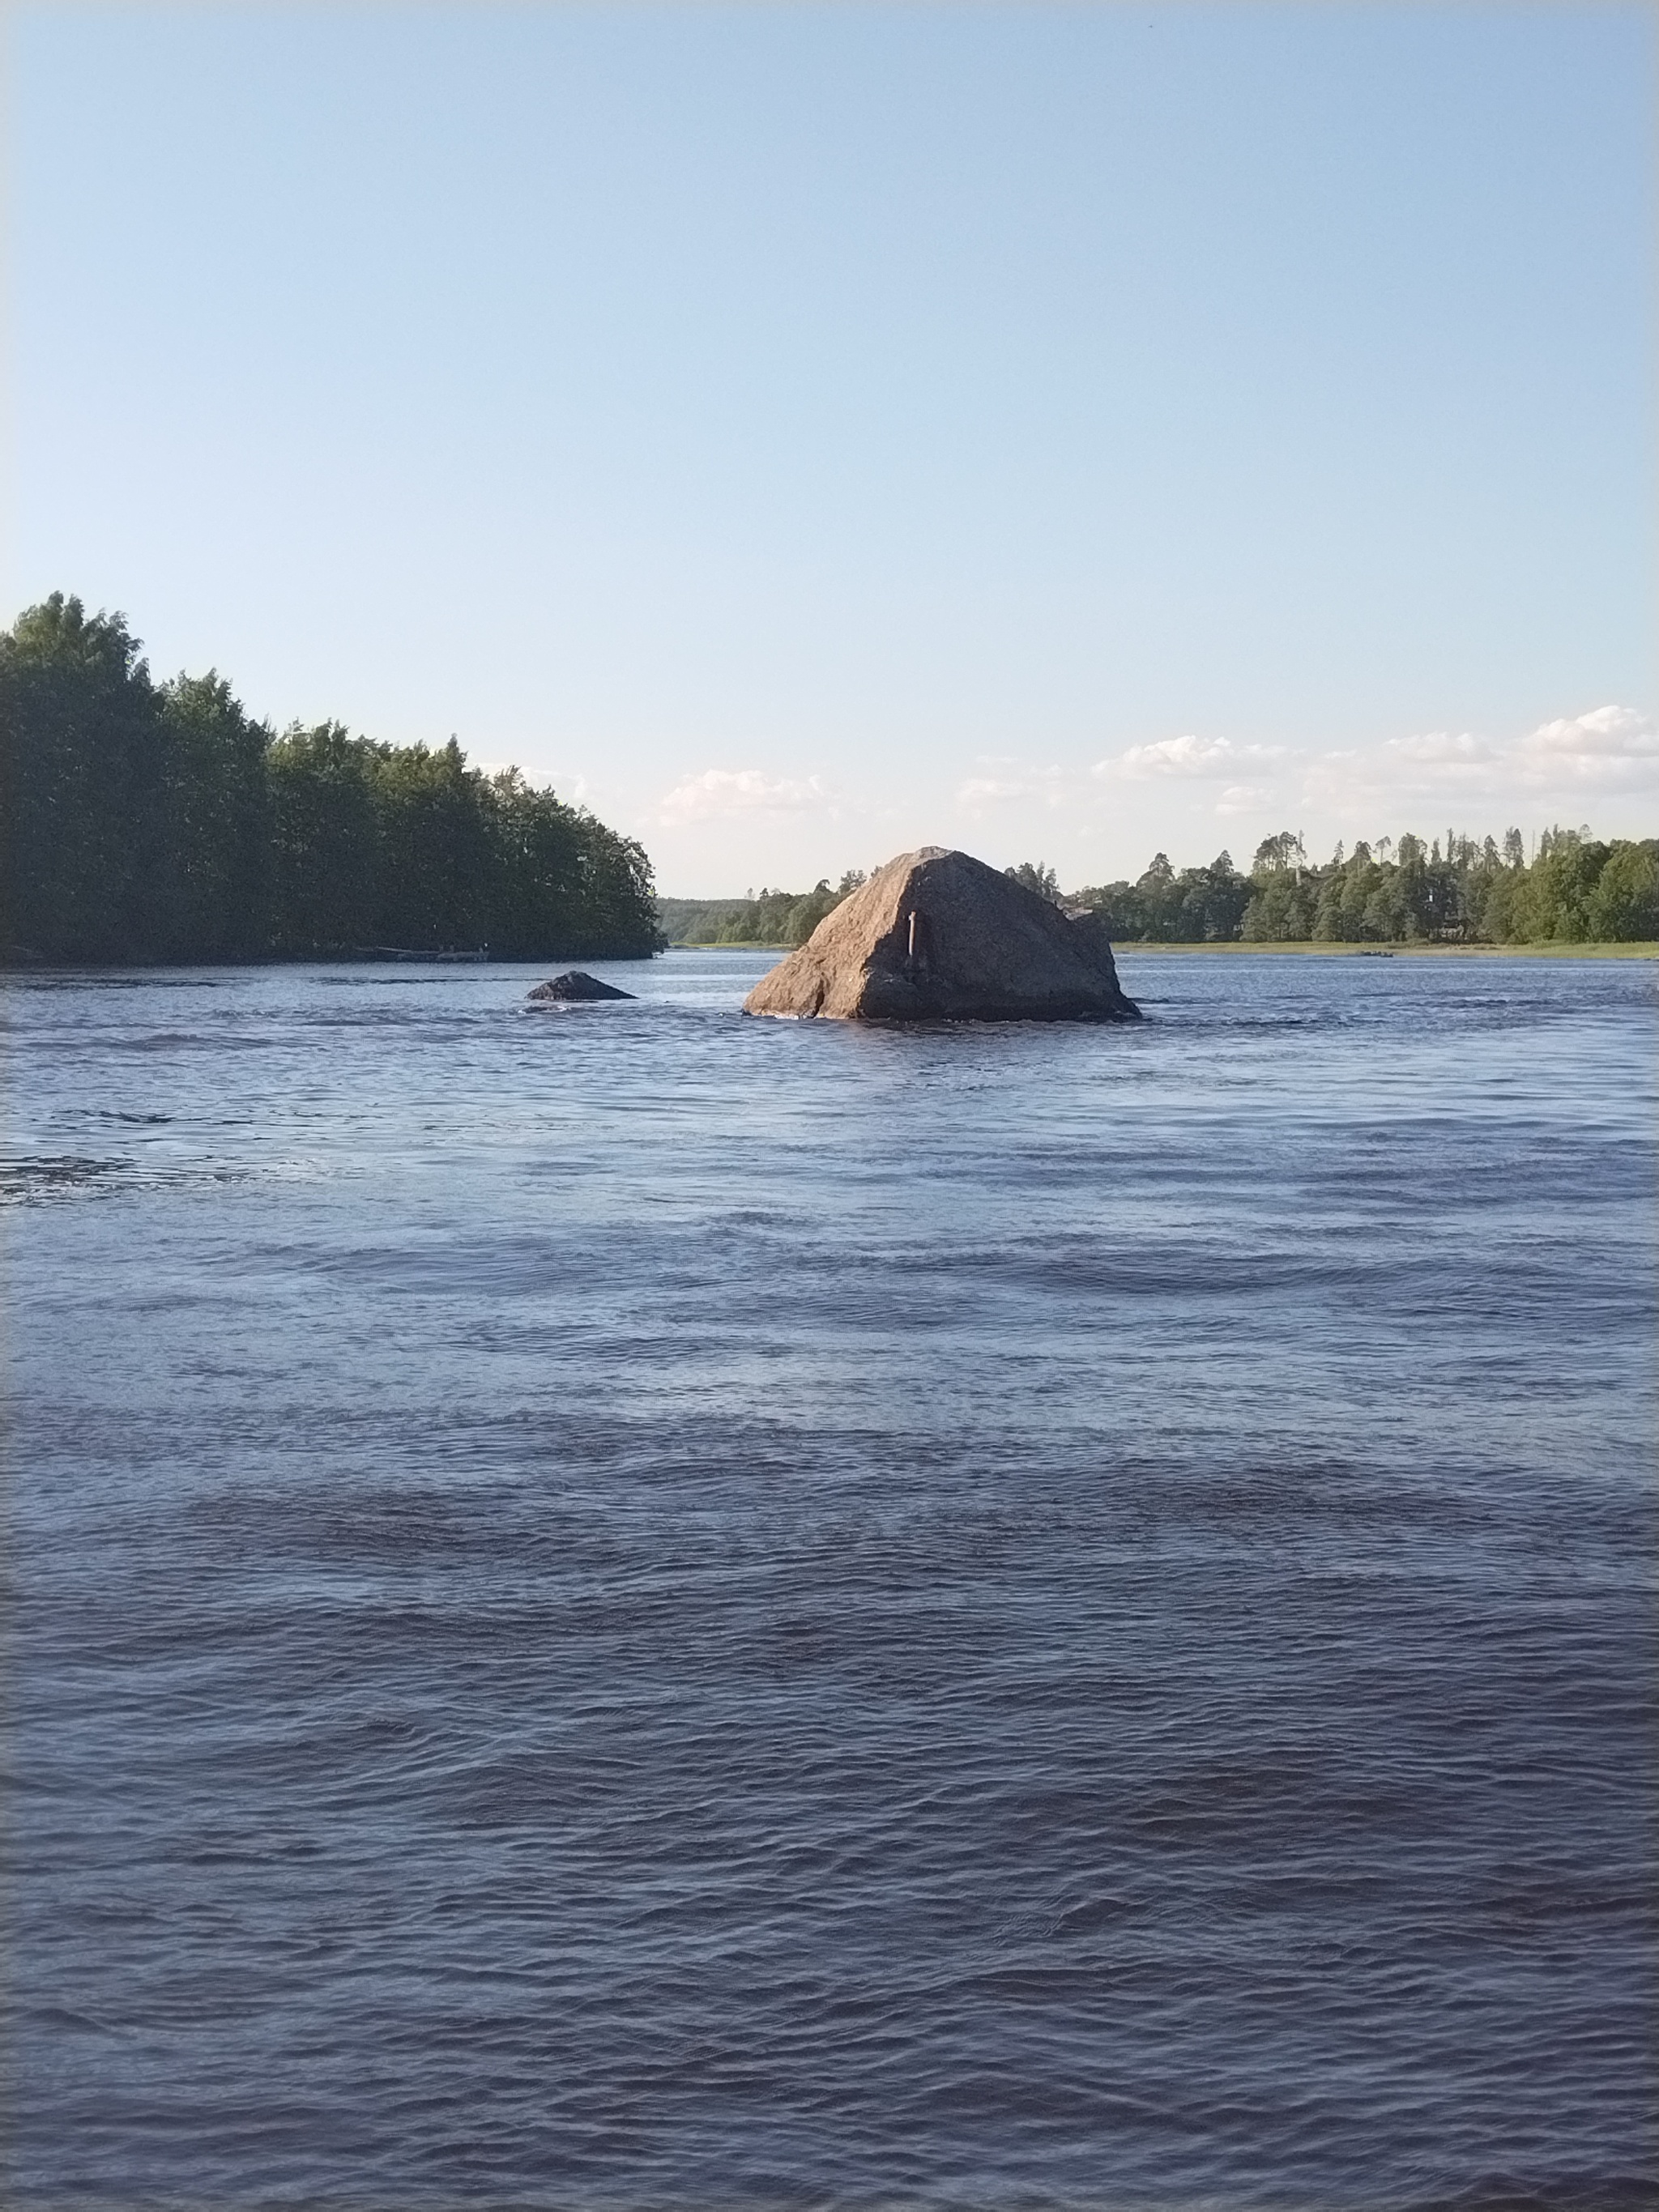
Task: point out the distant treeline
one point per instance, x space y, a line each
158 822
1576 890
762 917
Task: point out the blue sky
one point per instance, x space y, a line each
806 431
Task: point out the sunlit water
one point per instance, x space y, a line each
633 1608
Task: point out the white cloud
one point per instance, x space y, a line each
1440 748
1046 786
1610 749
1433 766
1188 756
1244 799
722 794
1606 733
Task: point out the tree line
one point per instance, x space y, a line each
763 917
159 822
1577 889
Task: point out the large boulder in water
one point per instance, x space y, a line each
938 936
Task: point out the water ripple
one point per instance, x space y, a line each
675 1612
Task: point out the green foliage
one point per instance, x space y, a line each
1038 878
1281 909
86 796
1273 855
326 845
1199 906
1624 907
1562 884
695 921
1576 890
223 878
1412 892
763 917
150 822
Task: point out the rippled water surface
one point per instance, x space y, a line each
630 1607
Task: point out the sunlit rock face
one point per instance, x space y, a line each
938 936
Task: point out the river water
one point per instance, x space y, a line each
631 1607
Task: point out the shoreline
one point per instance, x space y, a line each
1642 949
1611 949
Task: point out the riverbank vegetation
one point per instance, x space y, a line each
763 917
150 821
1575 889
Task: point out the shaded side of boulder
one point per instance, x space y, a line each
572 987
938 936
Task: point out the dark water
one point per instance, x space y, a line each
627 1608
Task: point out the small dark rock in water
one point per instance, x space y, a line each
573 985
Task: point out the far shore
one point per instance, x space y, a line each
1648 950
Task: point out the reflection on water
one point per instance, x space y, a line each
623 1606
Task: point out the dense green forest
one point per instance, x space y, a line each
1576 889
159 822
